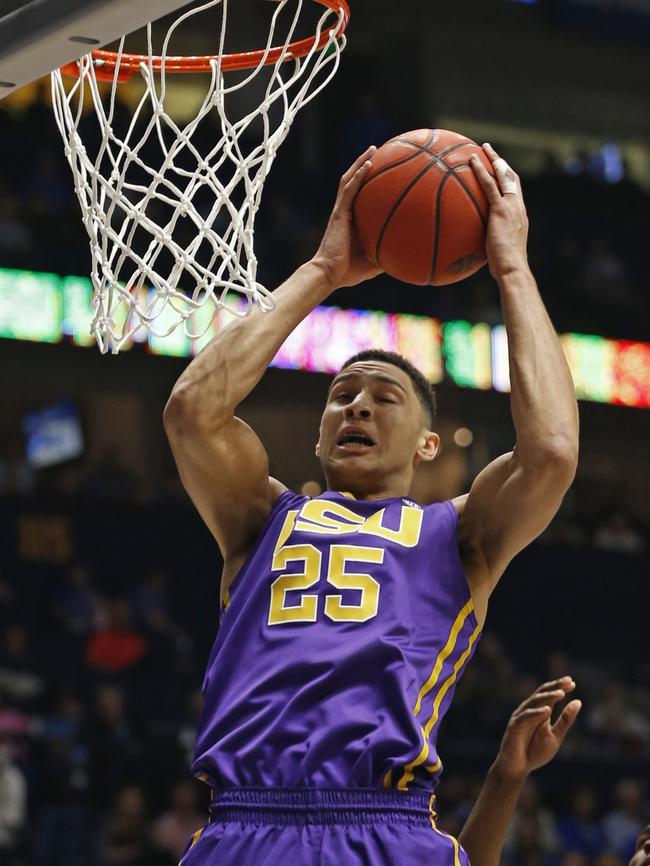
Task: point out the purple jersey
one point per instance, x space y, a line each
341 642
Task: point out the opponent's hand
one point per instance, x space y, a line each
507 231
530 740
340 255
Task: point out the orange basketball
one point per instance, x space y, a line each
421 214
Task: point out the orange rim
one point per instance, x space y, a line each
129 64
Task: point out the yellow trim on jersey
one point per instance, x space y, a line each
432 813
444 653
388 779
408 775
448 683
347 495
195 839
432 818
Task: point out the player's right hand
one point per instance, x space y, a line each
530 740
339 254
507 230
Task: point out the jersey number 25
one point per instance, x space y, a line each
341 555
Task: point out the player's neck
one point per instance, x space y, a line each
368 491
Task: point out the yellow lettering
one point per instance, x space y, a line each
368 605
328 518
306 611
410 527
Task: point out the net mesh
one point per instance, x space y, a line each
170 208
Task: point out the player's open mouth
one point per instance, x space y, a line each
353 440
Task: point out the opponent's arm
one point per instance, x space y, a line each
222 463
516 496
530 741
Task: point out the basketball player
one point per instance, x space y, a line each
347 619
642 853
529 742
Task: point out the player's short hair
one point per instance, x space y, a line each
424 390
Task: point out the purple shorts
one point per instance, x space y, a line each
322 827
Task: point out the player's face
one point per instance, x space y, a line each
642 854
373 431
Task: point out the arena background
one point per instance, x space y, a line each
108 580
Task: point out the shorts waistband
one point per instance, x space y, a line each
286 806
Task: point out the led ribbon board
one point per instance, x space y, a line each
46 308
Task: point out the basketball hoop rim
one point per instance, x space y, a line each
129 64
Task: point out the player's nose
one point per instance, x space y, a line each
359 407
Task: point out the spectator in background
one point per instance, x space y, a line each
609 858
18 666
76 604
190 725
112 742
109 480
169 491
174 828
15 727
532 832
619 725
61 835
574 858
17 477
579 829
565 529
604 273
617 533
64 722
13 806
119 646
150 606
124 841
623 824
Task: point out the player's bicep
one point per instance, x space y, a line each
507 507
226 474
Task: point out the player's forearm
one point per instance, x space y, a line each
485 829
232 364
543 402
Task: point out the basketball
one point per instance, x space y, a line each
421 214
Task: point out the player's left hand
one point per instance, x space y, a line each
340 255
507 232
530 740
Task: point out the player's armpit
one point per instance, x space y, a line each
225 471
507 507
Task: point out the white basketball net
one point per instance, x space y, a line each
171 236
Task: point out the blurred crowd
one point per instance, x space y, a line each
593 515
99 697
99 704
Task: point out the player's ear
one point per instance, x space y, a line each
318 448
427 447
